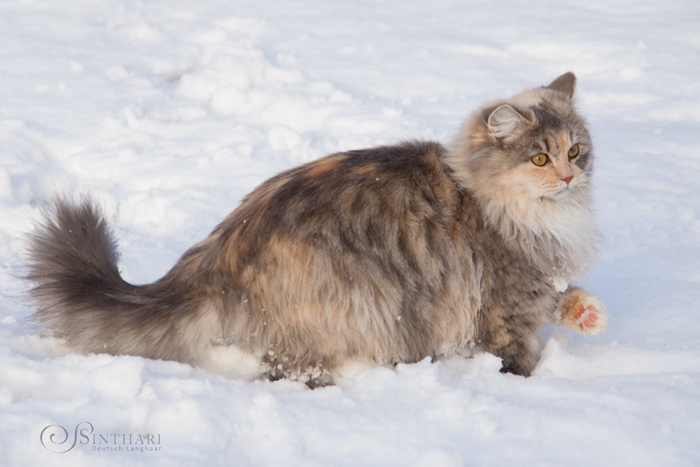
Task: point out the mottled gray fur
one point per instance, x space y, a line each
380 256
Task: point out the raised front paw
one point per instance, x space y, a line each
582 312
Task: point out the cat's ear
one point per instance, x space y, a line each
566 83
505 121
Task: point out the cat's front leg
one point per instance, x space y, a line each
581 311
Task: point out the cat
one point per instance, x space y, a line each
381 256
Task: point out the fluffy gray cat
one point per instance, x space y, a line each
378 256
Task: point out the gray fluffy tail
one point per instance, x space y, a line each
79 295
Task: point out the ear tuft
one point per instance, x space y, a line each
566 83
505 121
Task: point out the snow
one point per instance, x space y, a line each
169 112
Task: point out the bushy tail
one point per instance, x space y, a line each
80 296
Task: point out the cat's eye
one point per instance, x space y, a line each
574 151
539 160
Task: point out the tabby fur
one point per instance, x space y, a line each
380 256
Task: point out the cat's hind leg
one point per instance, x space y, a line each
581 311
308 367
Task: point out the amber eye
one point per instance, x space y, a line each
540 159
573 152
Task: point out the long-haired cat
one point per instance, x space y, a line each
381 255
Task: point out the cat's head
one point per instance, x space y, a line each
527 160
533 146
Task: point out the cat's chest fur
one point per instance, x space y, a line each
514 285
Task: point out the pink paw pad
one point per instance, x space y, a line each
587 317
591 320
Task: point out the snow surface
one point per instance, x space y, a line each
171 111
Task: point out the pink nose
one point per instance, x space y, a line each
568 179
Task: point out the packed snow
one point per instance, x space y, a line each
169 112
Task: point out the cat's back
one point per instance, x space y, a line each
409 166
364 202
363 196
